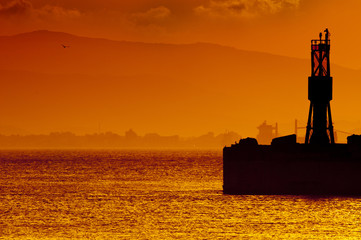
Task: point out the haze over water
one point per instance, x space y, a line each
152 195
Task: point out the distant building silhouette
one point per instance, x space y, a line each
131 135
266 133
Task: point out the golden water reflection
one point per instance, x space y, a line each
152 195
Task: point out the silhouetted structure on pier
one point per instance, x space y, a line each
319 124
318 167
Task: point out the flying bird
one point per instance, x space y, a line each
64 46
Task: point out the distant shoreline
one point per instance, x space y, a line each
109 140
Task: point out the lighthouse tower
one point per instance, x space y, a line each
319 125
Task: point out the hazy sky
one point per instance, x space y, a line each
36 103
276 26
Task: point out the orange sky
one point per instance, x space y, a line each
275 26
281 27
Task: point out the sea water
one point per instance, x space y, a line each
143 194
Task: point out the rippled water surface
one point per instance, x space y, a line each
152 195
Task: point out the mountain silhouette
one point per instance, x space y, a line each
178 88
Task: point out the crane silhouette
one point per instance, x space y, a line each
65 46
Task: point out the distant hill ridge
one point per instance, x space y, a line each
30 41
180 88
46 34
